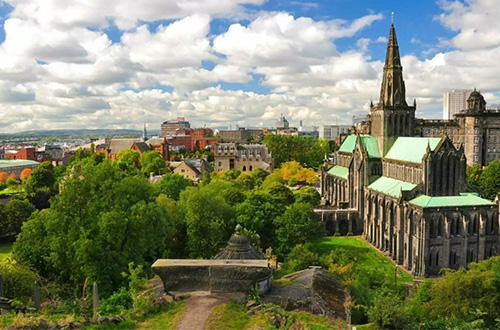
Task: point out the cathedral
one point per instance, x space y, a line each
407 195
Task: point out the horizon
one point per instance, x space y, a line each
242 62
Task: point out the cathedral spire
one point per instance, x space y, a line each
393 92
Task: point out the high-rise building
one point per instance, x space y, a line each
330 132
169 127
454 102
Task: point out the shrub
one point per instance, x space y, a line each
117 303
18 280
389 311
300 258
293 182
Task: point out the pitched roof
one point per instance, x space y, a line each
411 149
142 146
239 248
368 142
116 145
390 186
6 163
340 171
465 199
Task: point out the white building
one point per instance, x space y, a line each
454 102
330 132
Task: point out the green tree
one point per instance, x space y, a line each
272 178
307 195
490 179
231 175
209 221
172 184
129 157
41 177
298 225
152 162
16 212
389 311
474 175
280 193
259 176
307 151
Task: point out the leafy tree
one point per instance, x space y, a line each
246 180
272 178
25 173
209 221
389 311
307 175
129 157
474 175
280 193
298 225
293 182
101 221
307 151
172 184
257 213
16 212
301 257
490 179
11 182
42 177
307 195
259 176
152 162
231 175
3 177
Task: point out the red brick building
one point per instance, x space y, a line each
160 145
204 142
26 153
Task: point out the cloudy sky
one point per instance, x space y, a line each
120 63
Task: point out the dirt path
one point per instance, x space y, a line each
197 310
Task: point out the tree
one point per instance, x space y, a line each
490 179
172 184
209 221
152 162
389 311
16 212
41 177
307 195
272 178
25 173
280 193
100 222
246 180
307 151
3 177
231 175
129 157
11 182
259 176
298 225
474 175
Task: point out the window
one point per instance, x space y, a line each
476 148
244 169
476 139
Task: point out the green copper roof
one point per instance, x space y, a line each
450 201
340 171
369 144
349 144
411 149
391 187
5 163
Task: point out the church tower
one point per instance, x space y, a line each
392 117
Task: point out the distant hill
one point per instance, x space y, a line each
79 132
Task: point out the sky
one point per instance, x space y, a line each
121 63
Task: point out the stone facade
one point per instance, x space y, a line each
407 195
243 157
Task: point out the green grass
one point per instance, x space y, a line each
166 320
366 256
5 251
13 190
234 316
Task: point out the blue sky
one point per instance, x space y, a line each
119 63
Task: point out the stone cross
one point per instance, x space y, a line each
36 296
95 297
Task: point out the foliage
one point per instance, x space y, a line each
129 157
389 311
172 185
298 225
231 174
165 320
490 179
107 219
25 173
474 175
308 152
152 162
307 195
18 280
41 178
11 182
280 193
3 177
293 182
209 221
117 303
272 178
15 213
300 257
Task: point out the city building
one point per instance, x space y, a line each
240 134
170 127
308 131
17 166
475 127
243 157
27 153
160 145
282 122
193 168
454 102
330 132
407 195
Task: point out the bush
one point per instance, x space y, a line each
117 303
18 281
389 311
300 258
293 182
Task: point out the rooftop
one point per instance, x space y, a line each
390 186
17 162
465 199
368 142
339 171
412 149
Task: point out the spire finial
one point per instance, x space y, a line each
392 18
